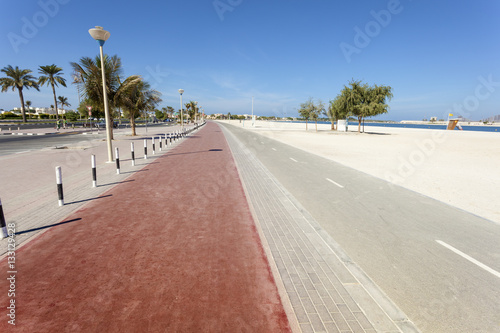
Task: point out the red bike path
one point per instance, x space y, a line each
173 248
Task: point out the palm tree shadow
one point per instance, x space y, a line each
48 226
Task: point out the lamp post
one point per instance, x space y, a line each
101 36
182 117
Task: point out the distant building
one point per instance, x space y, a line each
43 110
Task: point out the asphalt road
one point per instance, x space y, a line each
439 264
16 144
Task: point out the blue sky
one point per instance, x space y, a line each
438 56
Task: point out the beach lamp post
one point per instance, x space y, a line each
101 36
181 91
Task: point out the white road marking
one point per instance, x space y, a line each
293 159
472 260
22 152
273 149
331 181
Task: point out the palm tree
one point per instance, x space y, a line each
28 106
136 98
51 74
63 101
90 80
18 79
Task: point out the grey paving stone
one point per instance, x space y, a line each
330 305
363 321
314 296
308 284
339 320
323 313
355 326
301 314
346 312
308 305
306 328
331 327
316 322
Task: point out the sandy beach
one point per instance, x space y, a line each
460 168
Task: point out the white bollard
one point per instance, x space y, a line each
117 157
132 153
94 171
59 185
3 225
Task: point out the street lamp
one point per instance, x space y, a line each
182 117
101 36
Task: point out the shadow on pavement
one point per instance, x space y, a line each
48 226
74 202
115 183
142 170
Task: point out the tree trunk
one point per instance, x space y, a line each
132 125
359 124
22 103
55 101
111 125
306 124
333 124
316 124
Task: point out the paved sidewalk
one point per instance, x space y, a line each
28 190
172 248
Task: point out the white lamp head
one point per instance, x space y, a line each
181 91
99 34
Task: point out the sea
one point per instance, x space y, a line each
483 128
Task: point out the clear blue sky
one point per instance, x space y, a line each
432 53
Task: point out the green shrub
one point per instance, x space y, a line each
10 115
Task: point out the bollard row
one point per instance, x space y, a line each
170 138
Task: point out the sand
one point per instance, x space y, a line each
460 168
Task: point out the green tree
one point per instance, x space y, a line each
159 115
71 116
136 99
18 79
364 101
51 74
317 110
309 110
84 112
305 110
28 106
191 109
63 101
337 110
169 111
89 75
